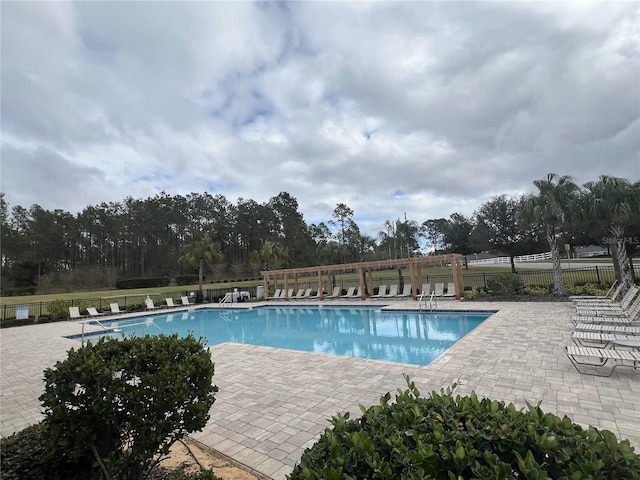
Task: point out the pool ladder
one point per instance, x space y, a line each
433 300
116 330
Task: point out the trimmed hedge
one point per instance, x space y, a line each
187 279
447 437
142 282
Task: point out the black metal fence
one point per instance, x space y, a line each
572 276
133 302
575 276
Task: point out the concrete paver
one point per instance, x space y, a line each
274 403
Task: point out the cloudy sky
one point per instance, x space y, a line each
423 108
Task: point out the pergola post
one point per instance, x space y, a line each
363 295
370 281
412 274
320 289
286 286
458 282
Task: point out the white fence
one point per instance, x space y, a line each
536 257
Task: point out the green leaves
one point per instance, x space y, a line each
452 437
127 401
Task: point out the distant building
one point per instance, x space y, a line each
591 251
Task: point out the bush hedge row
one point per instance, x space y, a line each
462 437
142 282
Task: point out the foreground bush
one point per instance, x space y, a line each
446 437
32 455
125 402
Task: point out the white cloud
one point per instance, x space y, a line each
390 107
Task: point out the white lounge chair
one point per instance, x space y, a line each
625 317
614 309
451 290
335 294
149 303
305 294
185 300
74 312
406 291
287 293
608 299
115 308
276 294
93 312
350 292
393 291
300 294
602 357
382 292
169 302
599 340
438 289
608 328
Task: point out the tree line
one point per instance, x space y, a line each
155 236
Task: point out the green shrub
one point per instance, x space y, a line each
447 437
142 282
504 284
588 289
124 402
534 290
58 310
31 454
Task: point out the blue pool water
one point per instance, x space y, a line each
396 336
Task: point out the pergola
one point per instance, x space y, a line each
290 276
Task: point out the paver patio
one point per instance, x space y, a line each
274 403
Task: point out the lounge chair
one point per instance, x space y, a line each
149 303
602 356
169 302
608 299
438 289
451 290
289 293
350 292
425 291
93 312
334 294
115 308
185 300
628 299
599 340
74 312
382 292
276 294
300 294
624 317
406 291
608 328
305 294
393 291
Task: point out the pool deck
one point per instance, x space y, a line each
274 403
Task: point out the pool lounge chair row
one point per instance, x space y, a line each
74 312
354 292
607 333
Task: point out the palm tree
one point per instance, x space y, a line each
550 209
270 252
200 253
613 204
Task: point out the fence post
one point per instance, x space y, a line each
597 274
484 279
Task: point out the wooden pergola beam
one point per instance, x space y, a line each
415 268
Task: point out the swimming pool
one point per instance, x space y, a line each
398 336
